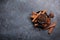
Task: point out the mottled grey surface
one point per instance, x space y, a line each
16 25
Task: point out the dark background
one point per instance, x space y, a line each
16 25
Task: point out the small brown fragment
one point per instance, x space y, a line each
41 20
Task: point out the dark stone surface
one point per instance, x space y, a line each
16 25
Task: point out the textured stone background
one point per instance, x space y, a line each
16 25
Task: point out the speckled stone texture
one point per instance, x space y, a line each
15 23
